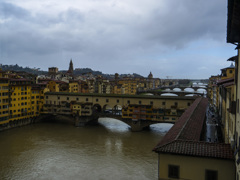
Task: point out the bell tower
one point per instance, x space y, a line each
70 69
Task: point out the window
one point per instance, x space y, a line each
77 99
96 100
86 99
163 103
211 175
128 102
67 98
117 100
140 102
151 102
107 100
173 171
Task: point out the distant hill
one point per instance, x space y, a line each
77 71
18 68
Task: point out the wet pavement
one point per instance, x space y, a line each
213 129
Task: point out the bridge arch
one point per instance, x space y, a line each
114 124
97 108
169 94
189 89
117 109
107 109
177 89
190 95
201 90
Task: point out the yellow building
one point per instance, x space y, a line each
37 100
20 102
228 72
81 109
53 86
213 90
84 87
118 89
148 112
183 153
4 100
20 106
137 112
226 102
74 86
129 86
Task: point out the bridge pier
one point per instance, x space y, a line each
138 125
81 121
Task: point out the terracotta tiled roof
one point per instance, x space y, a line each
198 149
184 137
182 128
224 81
234 58
228 84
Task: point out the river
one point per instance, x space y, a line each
49 151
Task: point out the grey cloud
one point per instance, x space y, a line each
8 10
184 21
112 37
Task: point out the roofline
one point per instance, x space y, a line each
124 95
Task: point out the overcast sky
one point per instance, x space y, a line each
170 38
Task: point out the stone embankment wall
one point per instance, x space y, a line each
22 122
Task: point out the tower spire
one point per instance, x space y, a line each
70 69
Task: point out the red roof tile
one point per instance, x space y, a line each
182 128
184 137
224 81
198 149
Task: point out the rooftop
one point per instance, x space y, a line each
184 138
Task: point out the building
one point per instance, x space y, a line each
70 69
183 153
20 102
228 72
74 86
52 72
4 100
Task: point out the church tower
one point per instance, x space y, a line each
70 69
150 76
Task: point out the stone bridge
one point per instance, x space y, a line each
177 93
183 88
87 108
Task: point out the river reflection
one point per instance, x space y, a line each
62 151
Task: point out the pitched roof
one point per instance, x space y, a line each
182 128
233 58
198 149
225 81
184 137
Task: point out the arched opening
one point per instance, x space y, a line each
169 94
160 128
177 89
190 95
117 110
189 89
107 109
114 125
201 90
97 108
